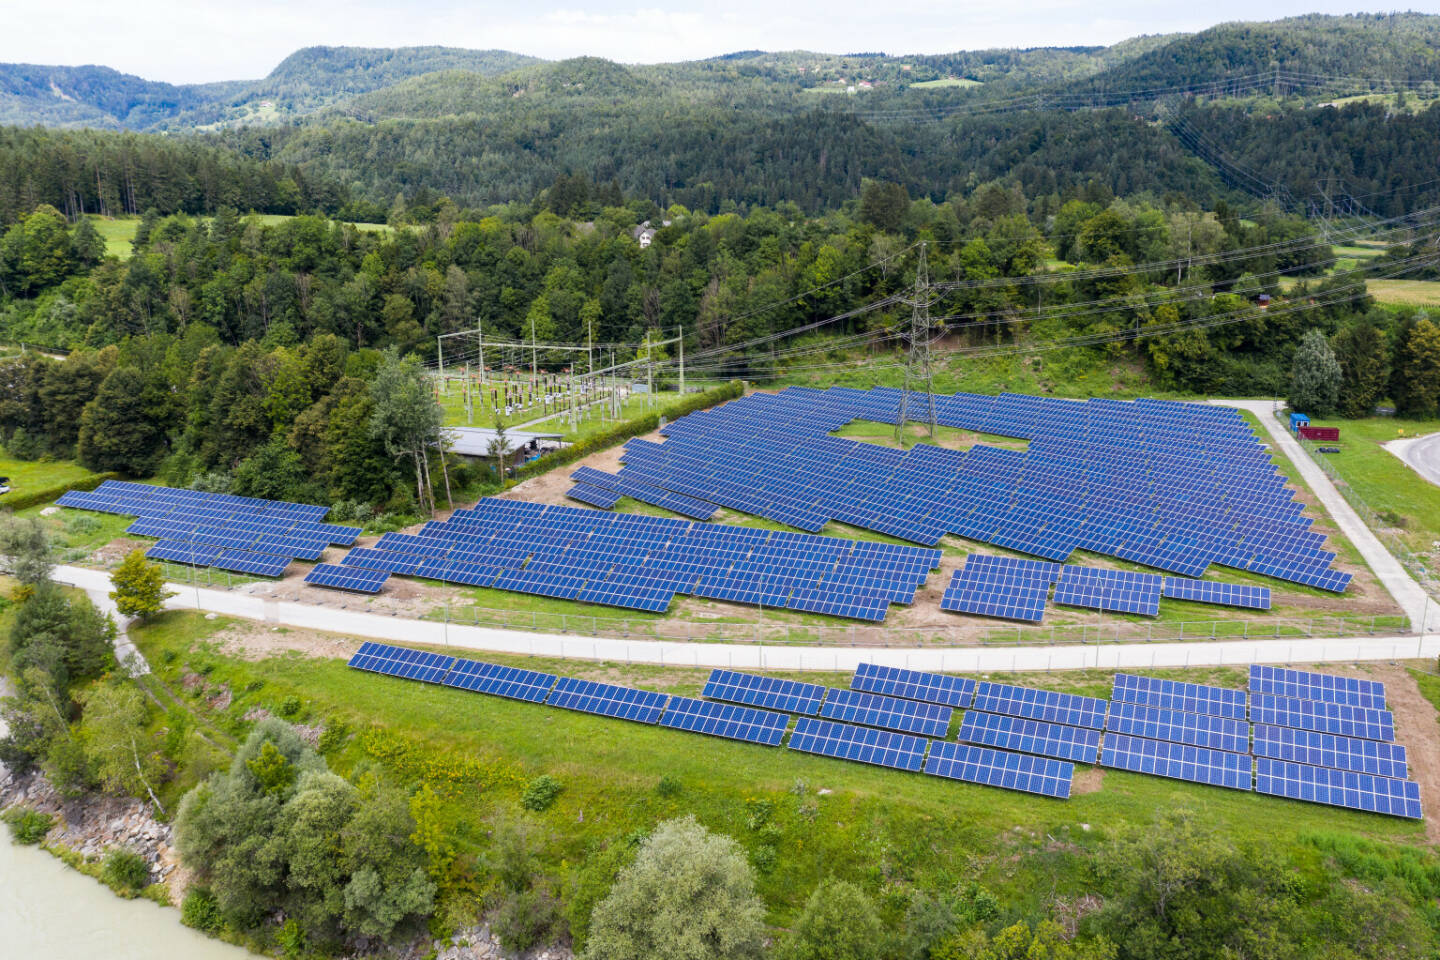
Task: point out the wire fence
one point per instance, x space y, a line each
777 632
1414 564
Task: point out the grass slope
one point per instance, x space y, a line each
872 825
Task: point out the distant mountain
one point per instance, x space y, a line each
93 96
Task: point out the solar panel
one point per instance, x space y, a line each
1224 594
595 496
1179 761
1176 695
517 684
401 662
1117 591
914 685
1316 686
1031 736
1160 723
1322 716
725 720
1328 750
608 700
1338 788
996 768
862 744
259 564
1067 708
347 578
195 554
789 696
877 710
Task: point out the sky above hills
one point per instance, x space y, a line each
204 40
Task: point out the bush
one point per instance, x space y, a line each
526 920
201 911
839 922
540 793
124 871
668 786
27 826
333 737
290 707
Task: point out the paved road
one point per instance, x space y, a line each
754 656
1407 593
1421 453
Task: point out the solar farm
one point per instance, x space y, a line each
1313 737
1176 487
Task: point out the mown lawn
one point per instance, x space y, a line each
801 817
1402 498
27 476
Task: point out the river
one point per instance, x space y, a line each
48 910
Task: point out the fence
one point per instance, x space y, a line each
1415 565
779 633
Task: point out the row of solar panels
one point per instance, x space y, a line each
846 741
1006 750
1017 589
1175 506
239 534
638 562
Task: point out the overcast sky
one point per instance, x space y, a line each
186 41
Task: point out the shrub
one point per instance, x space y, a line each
201 911
290 707
668 786
333 737
124 871
528 919
29 826
839 922
540 793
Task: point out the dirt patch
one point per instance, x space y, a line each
256 641
1416 727
1087 780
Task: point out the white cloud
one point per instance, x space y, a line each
203 40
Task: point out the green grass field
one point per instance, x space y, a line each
119 232
875 826
945 82
27 476
1403 498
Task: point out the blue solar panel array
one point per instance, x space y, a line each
1179 761
243 534
477 676
1223 594
1176 695
791 696
1117 591
1328 750
1004 587
402 662
608 700
1175 486
725 720
1339 788
914 685
877 710
1031 736
1013 771
1199 729
641 562
1068 708
645 493
1329 687
347 578
1322 716
883 748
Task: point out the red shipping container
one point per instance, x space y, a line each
1320 433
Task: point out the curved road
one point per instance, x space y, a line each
1421 453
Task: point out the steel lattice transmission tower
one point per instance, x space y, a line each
917 363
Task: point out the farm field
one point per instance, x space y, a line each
119 232
1405 293
800 816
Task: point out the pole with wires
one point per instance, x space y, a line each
917 363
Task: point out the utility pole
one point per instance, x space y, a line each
917 363
682 363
